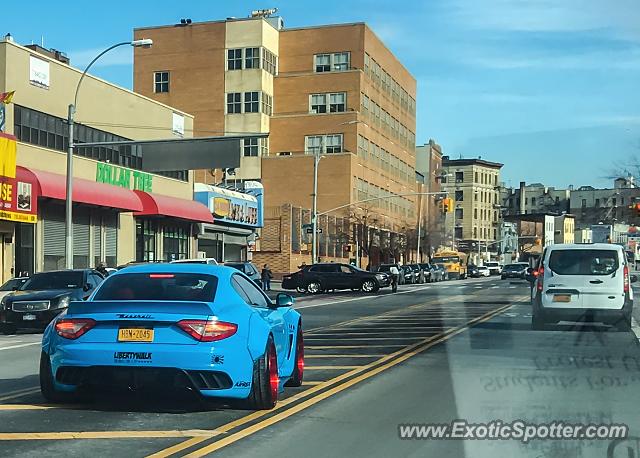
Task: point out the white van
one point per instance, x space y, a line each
583 282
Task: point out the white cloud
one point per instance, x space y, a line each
119 56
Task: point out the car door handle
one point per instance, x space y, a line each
595 282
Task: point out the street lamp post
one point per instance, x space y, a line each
68 232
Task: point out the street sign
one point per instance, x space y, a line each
310 230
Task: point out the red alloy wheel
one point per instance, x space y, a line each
274 380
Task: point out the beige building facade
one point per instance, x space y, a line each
121 213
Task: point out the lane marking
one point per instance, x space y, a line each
27 407
179 447
342 356
362 338
373 332
326 368
108 435
311 383
418 348
20 393
360 298
10 347
332 347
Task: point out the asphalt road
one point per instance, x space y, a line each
427 354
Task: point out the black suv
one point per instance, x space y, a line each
248 268
43 296
317 278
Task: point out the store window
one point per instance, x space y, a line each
146 231
24 248
175 243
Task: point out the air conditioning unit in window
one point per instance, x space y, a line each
284 153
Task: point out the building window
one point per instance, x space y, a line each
234 59
175 244
458 231
584 203
475 213
267 104
145 240
333 143
597 202
43 129
250 148
613 202
533 201
336 62
459 213
323 63
263 144
475 231
323 144
161 82
318 103
476 177
459 195
252 58
252 102
234 102
459 177
338 102
269 61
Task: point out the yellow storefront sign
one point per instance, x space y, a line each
18 217
7 156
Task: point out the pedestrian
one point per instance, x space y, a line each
266 277
102 269
369 267
395 276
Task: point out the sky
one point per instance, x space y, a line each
550 88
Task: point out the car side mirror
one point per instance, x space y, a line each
633 278
530 270
284 300
87 287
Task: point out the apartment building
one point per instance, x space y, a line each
334 91
473 184
534 198
429 164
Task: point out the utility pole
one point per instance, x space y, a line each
317 154
419 228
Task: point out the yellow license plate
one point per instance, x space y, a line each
135 335
561 298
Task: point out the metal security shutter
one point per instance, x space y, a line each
53 217
81 233
111 239
97 239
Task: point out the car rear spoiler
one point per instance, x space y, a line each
186 307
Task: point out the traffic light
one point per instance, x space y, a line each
447 205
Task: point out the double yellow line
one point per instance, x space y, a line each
360 374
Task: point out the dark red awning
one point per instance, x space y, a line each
154 204
53 185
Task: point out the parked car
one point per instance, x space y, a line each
430 275
494 267
417 270
408 274
387 269
580 282
472 271
247 268
443 271
483 271
516 270
12 285
316 278
43 296
211 261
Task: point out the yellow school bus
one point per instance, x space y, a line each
454 261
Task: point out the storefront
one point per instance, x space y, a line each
237 216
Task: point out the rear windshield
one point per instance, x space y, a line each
158 287
583 262
53 280
446 259
239 267
514 267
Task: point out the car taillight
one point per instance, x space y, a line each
625 286
208 330
540 277
72 328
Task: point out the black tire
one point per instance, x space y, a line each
368 286
298 362
47 387
8 329
314 287
301 289
537 322
262 395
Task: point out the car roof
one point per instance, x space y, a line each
178 268
64 270
584 246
